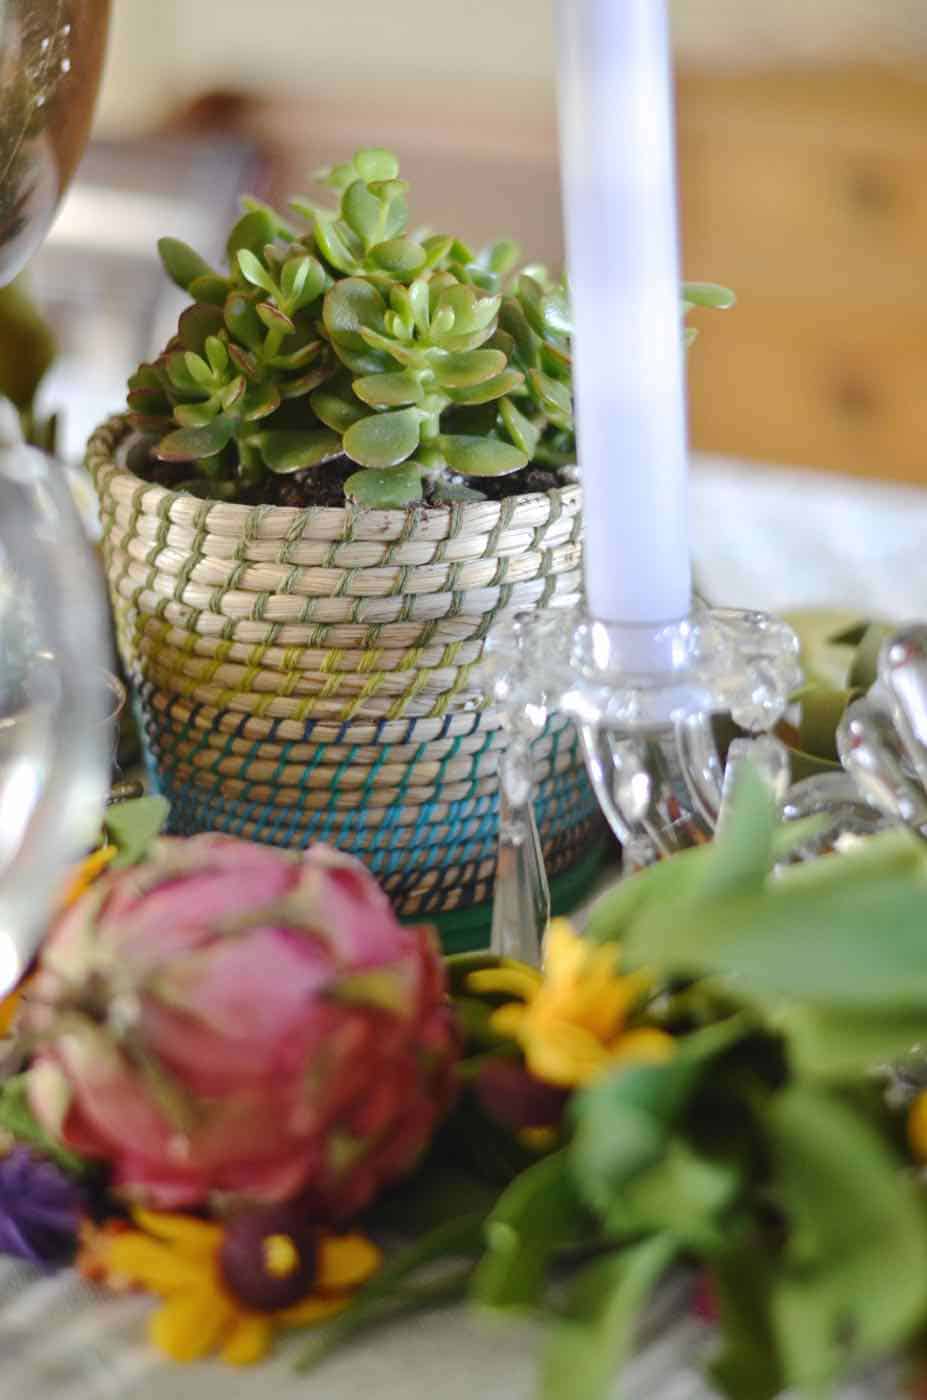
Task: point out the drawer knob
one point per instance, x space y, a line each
872 192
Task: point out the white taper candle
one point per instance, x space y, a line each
619 189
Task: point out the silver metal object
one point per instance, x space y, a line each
645 701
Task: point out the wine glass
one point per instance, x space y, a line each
54 746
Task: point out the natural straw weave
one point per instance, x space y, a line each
309 674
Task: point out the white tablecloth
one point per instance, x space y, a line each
763 538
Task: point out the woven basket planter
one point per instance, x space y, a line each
307 674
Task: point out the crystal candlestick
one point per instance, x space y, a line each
645 702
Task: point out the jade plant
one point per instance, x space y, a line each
345 337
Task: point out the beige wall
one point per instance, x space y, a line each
163 49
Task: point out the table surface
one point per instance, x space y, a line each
763 538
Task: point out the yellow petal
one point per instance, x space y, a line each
520 982
310 1310
153 1265
249 1340
646 1045
191 1325
346 1261
917 1127
197 1238
565 1055
564 950
510 1020
87 872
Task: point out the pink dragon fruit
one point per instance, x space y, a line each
228 1024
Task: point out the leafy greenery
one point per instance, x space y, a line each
412 355
766 1151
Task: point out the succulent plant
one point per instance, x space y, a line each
410 355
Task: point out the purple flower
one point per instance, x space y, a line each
40 1209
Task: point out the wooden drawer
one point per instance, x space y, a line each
807 193
817 383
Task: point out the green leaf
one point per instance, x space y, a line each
490 389
195 415
302 281
389 489
334 246
471 312
554 397
392 195
197 324
473 367
390 390
436 247
843 1045
475 456
275 319
243 321
363 212
376 164
514 322
217 355
539 1214
588 1348
252 232
353 305
524 434
740 857
259 401
133 826
555 310
708 294
181 263
854 1216
337 410
624 1122
824 947
254 271
291 449
383 439
613 914
190 444
686 1195
17 1119
401 257
748 1367
500 257
198 369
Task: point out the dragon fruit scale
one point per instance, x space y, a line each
226 1024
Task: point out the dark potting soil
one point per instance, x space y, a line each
324 485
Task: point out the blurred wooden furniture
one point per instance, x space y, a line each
807 193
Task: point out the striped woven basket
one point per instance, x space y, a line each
308 675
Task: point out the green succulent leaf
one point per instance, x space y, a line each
196 324
389 489
383 439
555 398
333 245
336 407
390 390
471 311
216 354
233 393
275 319
211 288
296 388
260 400
419 304
243 321
513 320
461 371
132 827
302 281
252 233
195 415
525 434
363 213
392 194
179 375
376 164
507 382
436 246
401 257
405 354
352 306
301 358
475 456
293 449
181 263
244 361
708 294
254 271
191 444
500 257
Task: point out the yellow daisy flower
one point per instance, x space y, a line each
180 1258
917 1127
571 1021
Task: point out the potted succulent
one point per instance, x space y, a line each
356 452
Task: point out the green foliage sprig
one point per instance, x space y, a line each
411 355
